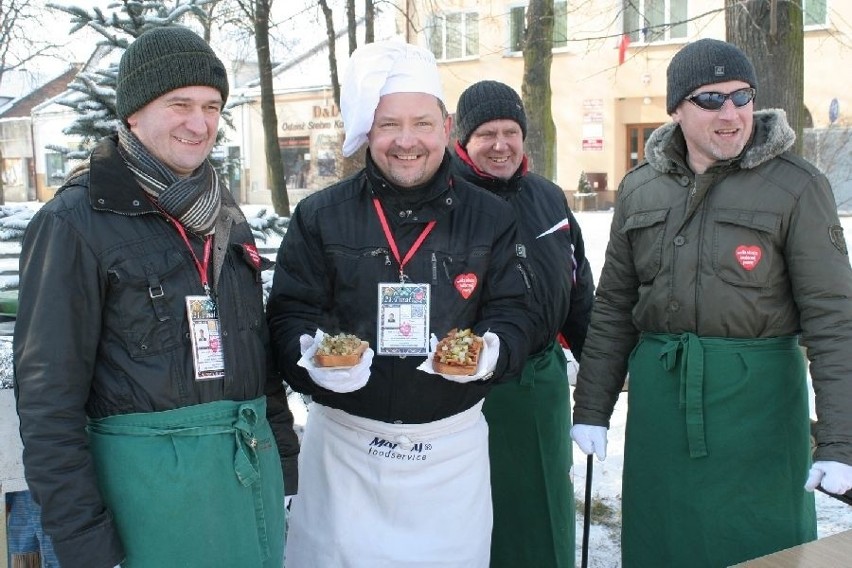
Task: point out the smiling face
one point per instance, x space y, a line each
408 138
180 127
713 136
496 147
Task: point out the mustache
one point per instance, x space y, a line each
415 151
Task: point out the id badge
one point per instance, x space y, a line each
207 355
403 322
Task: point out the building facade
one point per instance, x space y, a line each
608 74
608 92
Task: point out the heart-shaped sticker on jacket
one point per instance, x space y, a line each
748 256
466 284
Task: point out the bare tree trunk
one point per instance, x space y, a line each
535 89
351 25
332 51
207 21
355 162
771 33
274 161
369 21
2 183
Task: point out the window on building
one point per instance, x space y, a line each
296 155
655 20
815 12
518 23
13 171
327 149
454 35
637 137
54 168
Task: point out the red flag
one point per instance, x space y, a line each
622 47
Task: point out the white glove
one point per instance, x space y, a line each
485 367
835 477
338 379
590 439
573 366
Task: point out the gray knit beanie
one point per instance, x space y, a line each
705 62
485 101
164 59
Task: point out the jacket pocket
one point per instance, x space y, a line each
744 249
347 265
460 279
645 231
147 306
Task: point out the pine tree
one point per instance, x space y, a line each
583 185
92 93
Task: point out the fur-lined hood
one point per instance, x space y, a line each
771 137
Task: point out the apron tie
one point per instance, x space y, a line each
691 386
245 457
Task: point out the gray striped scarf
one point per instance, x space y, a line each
194 200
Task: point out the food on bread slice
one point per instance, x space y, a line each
341 350
457 353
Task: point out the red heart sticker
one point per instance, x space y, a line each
465 284
748 256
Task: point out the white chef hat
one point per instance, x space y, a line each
377 69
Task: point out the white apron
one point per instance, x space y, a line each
376 495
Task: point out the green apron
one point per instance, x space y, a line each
199 486
529 422
716 451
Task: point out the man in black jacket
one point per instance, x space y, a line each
141 444
394 460
529 418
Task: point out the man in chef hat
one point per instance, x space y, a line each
394 461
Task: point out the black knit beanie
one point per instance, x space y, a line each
484 101
704 62
164 59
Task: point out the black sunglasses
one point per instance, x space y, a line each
714 101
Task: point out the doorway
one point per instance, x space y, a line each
637 137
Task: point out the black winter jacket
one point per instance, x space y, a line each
563 285
335 253
102 330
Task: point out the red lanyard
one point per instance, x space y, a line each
202 267
392 242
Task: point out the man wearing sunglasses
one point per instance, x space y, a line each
725 253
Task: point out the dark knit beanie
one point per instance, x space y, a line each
164 59
705 62
484 101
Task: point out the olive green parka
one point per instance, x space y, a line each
752 248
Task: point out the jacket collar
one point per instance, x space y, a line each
665 150
112 186
414 204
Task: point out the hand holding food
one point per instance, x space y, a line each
341 350
457 353
340 363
